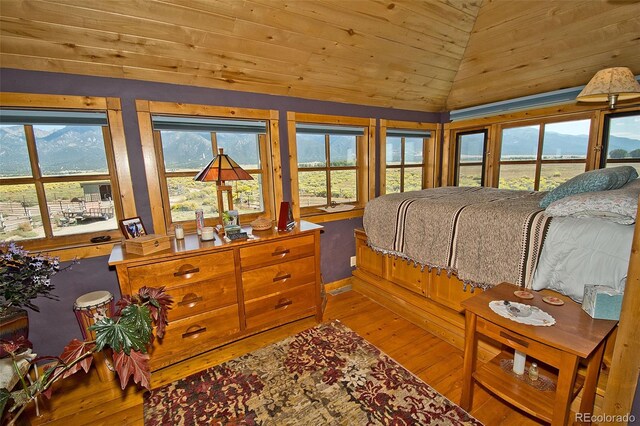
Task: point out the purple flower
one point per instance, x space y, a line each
25 276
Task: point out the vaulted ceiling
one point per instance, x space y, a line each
434 55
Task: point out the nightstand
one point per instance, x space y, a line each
575 336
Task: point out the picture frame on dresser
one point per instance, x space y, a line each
132 227
285 219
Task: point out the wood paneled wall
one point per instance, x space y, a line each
427 56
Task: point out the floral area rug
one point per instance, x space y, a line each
327 375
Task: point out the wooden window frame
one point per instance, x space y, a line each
431 151
494 124
78 245
365 152
606 122
271 169
482 163
539 161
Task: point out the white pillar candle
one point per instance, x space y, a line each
207 233
519 358
179 231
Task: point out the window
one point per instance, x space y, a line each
58 184
470 158
183 144
329 165
544 155
622 140
405 152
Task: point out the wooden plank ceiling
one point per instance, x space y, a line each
433 55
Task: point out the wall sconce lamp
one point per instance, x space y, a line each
222 168
611 85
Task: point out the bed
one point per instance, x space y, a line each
421 253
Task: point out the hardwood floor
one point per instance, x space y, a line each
84 399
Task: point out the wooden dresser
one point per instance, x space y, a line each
226 291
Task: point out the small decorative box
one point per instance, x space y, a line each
602 302
147 244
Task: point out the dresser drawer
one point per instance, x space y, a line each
193 335
277 251
196 298
282 307
275 278
173 273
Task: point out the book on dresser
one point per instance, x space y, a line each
225 291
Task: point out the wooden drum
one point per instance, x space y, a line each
91 308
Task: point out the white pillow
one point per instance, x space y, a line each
578 252
617 205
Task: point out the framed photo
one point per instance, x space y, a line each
231 221
132 227
230 218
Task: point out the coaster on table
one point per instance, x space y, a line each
553 300
523 294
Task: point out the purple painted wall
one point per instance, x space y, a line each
55 325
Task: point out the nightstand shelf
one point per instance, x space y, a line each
536 402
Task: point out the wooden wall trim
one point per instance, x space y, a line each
150 166
625 363
293 165
123 170
29 100
539 113
370 163
275 174
208 110
332 119
382 160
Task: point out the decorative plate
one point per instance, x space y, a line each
519 312
553 300
523 294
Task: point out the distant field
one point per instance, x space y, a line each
20 213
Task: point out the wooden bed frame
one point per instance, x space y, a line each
431 300
426 298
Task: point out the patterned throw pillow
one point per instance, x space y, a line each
618 205
594 180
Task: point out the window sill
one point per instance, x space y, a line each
319 216
71 250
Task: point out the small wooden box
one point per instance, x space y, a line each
147 244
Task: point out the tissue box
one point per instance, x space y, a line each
602 302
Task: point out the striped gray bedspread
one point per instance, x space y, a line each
483 235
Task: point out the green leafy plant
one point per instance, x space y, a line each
129 334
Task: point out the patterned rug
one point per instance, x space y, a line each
327 375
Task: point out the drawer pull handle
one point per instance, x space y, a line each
514 340
186 270
191 332
280 252
190 300
282 277
283 303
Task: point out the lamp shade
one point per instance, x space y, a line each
222 168
611 83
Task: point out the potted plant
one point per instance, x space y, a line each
23 277
129 334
